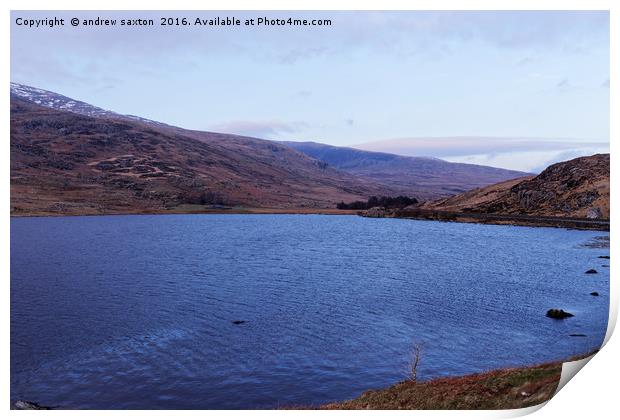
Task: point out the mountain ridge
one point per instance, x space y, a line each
80 158
423 177
66 163
49 99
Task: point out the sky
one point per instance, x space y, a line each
518 90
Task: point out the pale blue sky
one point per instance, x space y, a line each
370 76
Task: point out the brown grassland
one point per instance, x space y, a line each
495 390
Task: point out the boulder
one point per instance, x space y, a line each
594 213
591 271
558 314
594 293
238 322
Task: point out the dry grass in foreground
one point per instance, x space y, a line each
494 390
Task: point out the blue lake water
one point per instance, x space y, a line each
136 311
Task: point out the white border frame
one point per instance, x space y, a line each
592 394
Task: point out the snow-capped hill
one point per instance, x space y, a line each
144 120
56 101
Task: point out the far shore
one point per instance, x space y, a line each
415 214
191 209
492 219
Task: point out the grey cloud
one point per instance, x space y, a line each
563 84
405 32
303 93
524 62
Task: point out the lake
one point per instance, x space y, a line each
130 312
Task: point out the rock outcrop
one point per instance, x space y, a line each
575 188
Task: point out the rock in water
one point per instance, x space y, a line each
558 314
591 271
29 405
594 293
606 257
238 322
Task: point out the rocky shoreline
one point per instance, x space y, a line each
489 218
499 389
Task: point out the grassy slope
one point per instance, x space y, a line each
422 177
498 389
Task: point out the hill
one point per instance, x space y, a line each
420 177
70 157
64 162
575 188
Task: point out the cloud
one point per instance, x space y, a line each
606 84
162 73
350 122
452 146
562 84
564 155
262 129
524 154
525 61
526 161
433 33
293 55
303 93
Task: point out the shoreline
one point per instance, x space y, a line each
412 214
231 210
493 219
497 389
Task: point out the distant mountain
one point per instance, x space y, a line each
421 177
68 157
575 188
491 147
